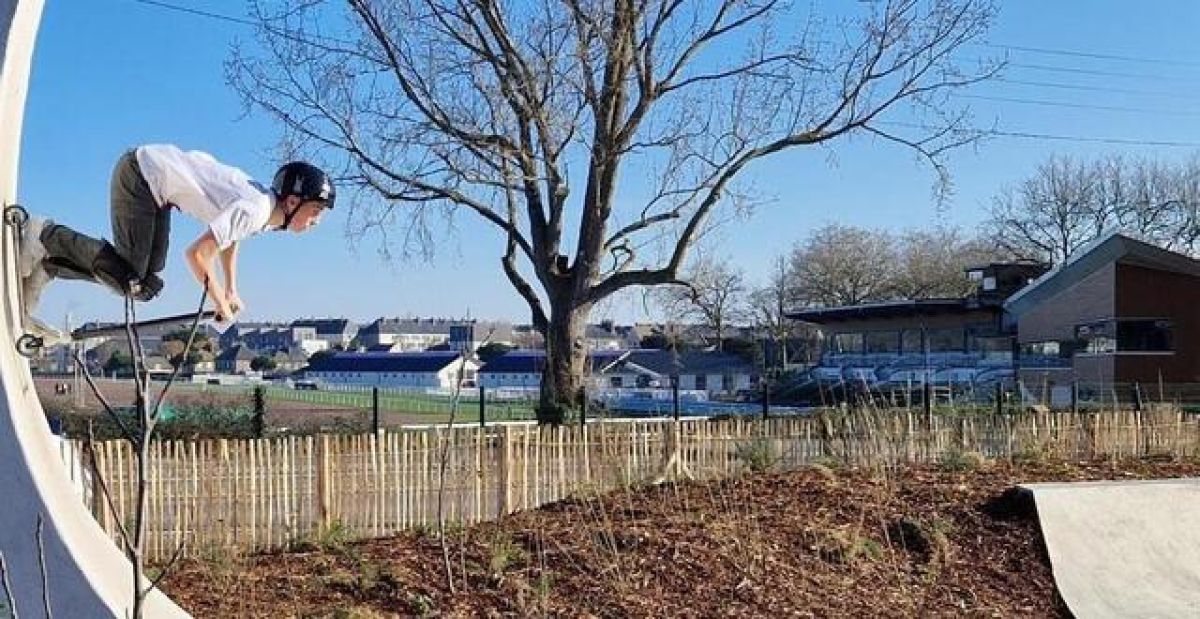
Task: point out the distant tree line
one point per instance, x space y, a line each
1068 202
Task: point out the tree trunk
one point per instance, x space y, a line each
562 377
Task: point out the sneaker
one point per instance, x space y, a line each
147 288
32 286
32 249
111 270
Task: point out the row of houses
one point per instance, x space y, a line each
712 372
413 334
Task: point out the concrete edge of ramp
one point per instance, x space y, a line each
1123 548
87 574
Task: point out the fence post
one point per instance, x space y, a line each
504 491
482 406
927 397
766 399
675 395
323 516
1074 396
1137 396
999 398
375 409
583 405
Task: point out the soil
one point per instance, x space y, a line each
295 416
954 540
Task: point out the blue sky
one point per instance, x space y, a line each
110 74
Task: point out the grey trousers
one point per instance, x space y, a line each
141 230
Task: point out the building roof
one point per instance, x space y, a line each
410 326
666 363
384 362
237 353
889 309
1112 247
524 361
327 326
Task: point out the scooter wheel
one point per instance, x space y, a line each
28 345
16 215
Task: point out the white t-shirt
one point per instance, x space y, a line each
224 197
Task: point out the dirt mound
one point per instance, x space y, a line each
918 542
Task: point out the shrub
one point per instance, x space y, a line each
760 454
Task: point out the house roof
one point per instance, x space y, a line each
383 362
889 309
666 363
291 356
410 326
532 361
237 353
1112 247
327 326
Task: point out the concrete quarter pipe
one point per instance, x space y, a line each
1123 548
87 574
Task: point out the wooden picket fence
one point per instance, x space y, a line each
251 495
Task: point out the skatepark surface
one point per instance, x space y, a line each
1123 548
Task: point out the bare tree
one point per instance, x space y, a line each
932 263
1067 203
843 265
714 294
140 434
501 110
1050 214
769 304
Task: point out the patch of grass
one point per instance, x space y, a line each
846 547
826 473
928 538
1033 454
420 605
544 586
503 553
959 460
335 536
759 454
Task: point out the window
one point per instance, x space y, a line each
727 382
614 381
848 342
1125 335
945 340
1144 335
1047 354
701 381
882 341
910 341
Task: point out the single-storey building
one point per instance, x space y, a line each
429 369
522 368
712 372
890 339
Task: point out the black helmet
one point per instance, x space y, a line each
303 179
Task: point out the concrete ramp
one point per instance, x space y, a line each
1124 548
87 575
